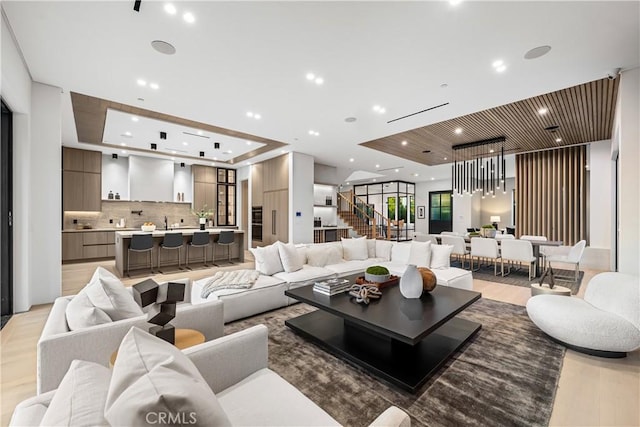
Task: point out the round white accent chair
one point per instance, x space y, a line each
606 323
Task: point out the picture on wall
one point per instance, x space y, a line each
420 212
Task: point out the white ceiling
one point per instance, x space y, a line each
253 56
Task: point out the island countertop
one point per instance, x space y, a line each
184 231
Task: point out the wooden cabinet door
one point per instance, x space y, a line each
210 175
92 161
72 246
199 195
199 173
282 220
72 159
257 184
72 190
91 192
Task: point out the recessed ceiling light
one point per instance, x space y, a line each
282 151
213 164
558 139
501 68
458 131
377 166
248 142
185 143
397 170
432 178
257 116
314 133
319 80
123 144
215 158
134 118
163 47
445 158
128 133
249 114
188 17
227 152
374 180
173 158
537 52
142 82
404 142
170 9
347 182
199 132
379 109
498 63
543 110
173 152
455 2
248 163
416 174
352 160
311 76
124 151
154 85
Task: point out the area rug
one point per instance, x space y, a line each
521 277
505 376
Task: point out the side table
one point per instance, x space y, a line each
185 338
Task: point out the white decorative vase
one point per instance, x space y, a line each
411 282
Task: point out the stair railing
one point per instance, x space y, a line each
365 217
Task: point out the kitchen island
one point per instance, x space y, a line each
169 258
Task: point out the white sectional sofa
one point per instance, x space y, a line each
287 266
226 381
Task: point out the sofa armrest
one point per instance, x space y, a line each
97 343
57 320
228 360
392 417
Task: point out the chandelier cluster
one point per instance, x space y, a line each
479 167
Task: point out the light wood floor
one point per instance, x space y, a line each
591 392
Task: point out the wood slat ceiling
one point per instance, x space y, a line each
90 115
583 113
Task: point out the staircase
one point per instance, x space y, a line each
362 217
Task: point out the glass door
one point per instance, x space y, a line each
440 212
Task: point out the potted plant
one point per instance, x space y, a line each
376 274
202 215
488 230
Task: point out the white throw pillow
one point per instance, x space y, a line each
334 254
441 256
151 376
291 259
383 249
317 256
371 248
268 259
81 313
420 254
107 292
355 249
80 398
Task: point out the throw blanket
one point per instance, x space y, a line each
239 279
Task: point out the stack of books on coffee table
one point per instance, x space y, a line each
331 286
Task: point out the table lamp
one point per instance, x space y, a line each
495 219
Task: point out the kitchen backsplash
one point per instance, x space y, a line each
115 210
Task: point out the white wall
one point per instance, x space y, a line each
324 174
151 179
115 176
301 178
45 188
627 113
242 174
500 205
15 86
422 199
600 194
182 182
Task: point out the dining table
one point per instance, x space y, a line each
536 245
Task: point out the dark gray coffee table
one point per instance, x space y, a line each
403 341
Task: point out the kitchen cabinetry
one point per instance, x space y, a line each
226 206
204 187
81 180
84 245
275 217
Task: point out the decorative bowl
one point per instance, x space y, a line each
376 278
148 228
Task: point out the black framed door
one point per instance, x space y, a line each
440 212
6 214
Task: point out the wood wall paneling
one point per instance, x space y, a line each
551 194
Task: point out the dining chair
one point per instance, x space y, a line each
512 250
485 248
